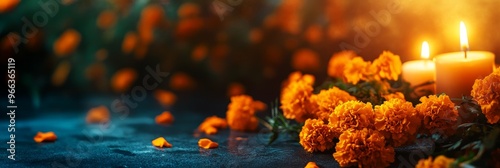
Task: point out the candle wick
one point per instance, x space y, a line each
465 51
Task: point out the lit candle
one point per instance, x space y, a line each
418 72
457 71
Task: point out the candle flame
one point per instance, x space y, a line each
425 50
464 42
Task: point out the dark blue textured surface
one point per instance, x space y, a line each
127 143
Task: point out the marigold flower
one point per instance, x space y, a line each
45 137
129 42
363 148
311 165
242 121
398 121
440 162
164 97
316 136
211 125
164 118
8 5
387 66
259 106
486 92
67 43
240 114
295 97
305 60
438 114
351 115
182 82
161 143
98 115
397 95
207 143
298 76
337 63
61 73
356 70
327 100
106 19
123 79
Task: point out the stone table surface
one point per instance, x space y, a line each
126 142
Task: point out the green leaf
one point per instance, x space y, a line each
456 145
466 125
472 145
273 137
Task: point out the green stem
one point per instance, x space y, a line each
479 154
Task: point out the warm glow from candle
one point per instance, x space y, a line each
464 42
425 50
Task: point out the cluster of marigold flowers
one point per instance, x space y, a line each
352 69
486 92
366 133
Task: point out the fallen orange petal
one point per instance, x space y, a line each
161 143
211 125
164 118
311 165
207 143
45 137
98 115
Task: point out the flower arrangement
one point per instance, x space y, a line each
365 110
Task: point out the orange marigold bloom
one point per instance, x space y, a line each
259 106
181 81
306 60
295 97
363 148
387 66
486 92
164 97
398 121
129 42
8 5
98 115
164 118
338 61
67 42
240 114
327 100
211 125
207 143
439 114
45 137
106 19
351 115
356 70
397 95
440 162
316 136
298 76
161 143
123 79
311 165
